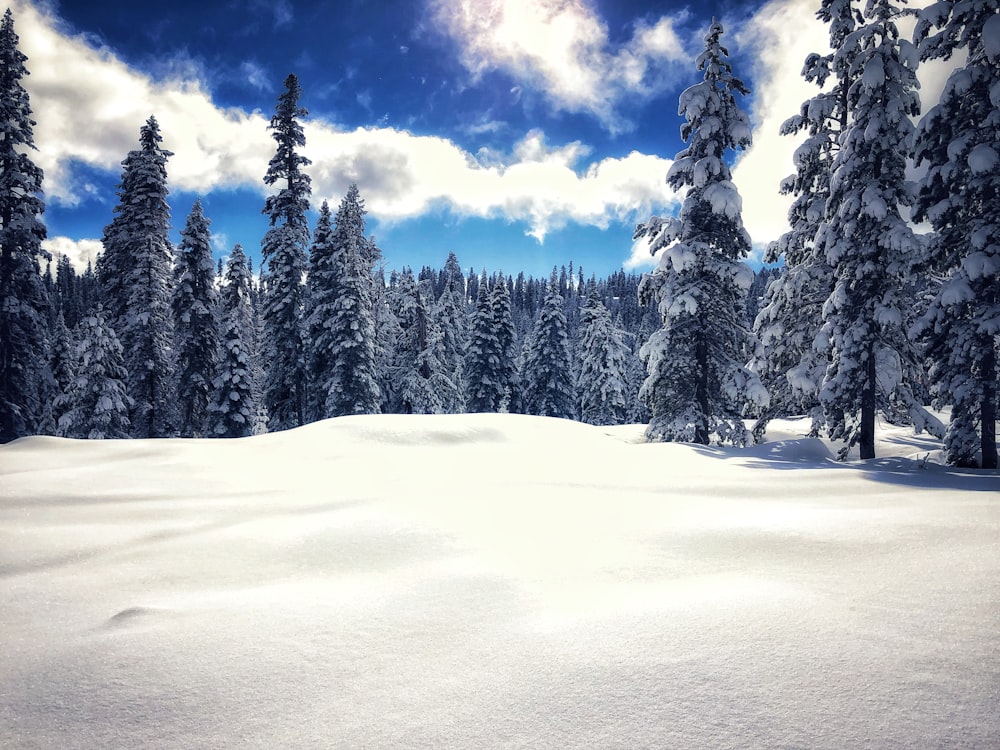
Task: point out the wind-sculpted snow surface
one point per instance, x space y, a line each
495 581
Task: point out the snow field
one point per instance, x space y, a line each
494 581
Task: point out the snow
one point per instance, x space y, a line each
991 37
495 581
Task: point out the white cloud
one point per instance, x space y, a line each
79 252
782 34
89 106
403 175
562 48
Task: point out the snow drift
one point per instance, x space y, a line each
494 581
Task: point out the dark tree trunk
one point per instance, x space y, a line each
988 426
867 441
701 394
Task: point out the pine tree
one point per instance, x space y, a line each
959 141
548 385
351 385
142 212
62 366
100 402
322 296
604 360
697 382
134 272
197 335
447 318
420 371
791 365
23 301
503 326
866 240
483 368
232 410
146 340
284 251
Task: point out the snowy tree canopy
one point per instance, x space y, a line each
698 383
866 239
959 142
22 295
284 250
194 309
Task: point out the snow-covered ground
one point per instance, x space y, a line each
495 581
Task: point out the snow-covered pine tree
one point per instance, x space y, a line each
482 361
142 212
233 409
146 340
195 325
604 360
698 384
792 366
23 302
284 251
351 384
450 320
322 298
866 240
420 372
959 141
503 326
135 275
100 403
548 383
62 366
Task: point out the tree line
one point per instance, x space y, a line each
865 315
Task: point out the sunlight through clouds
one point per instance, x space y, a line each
90 105
562 48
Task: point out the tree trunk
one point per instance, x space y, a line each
988 426
701 395
867 441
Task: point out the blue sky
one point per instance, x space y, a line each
520 134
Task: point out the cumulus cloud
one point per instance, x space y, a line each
406 175
90 105
562 48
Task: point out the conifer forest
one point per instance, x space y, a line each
881 299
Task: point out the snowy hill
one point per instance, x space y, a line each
494 581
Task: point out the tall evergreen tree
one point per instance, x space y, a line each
503 326
484 377
604 361
197 335
284 251
142 212
100 403
23 302
959 141
135 277
866 239
698 384
423 382
548 385
232 410
62 366
322 296
351 384
792 366
146 340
